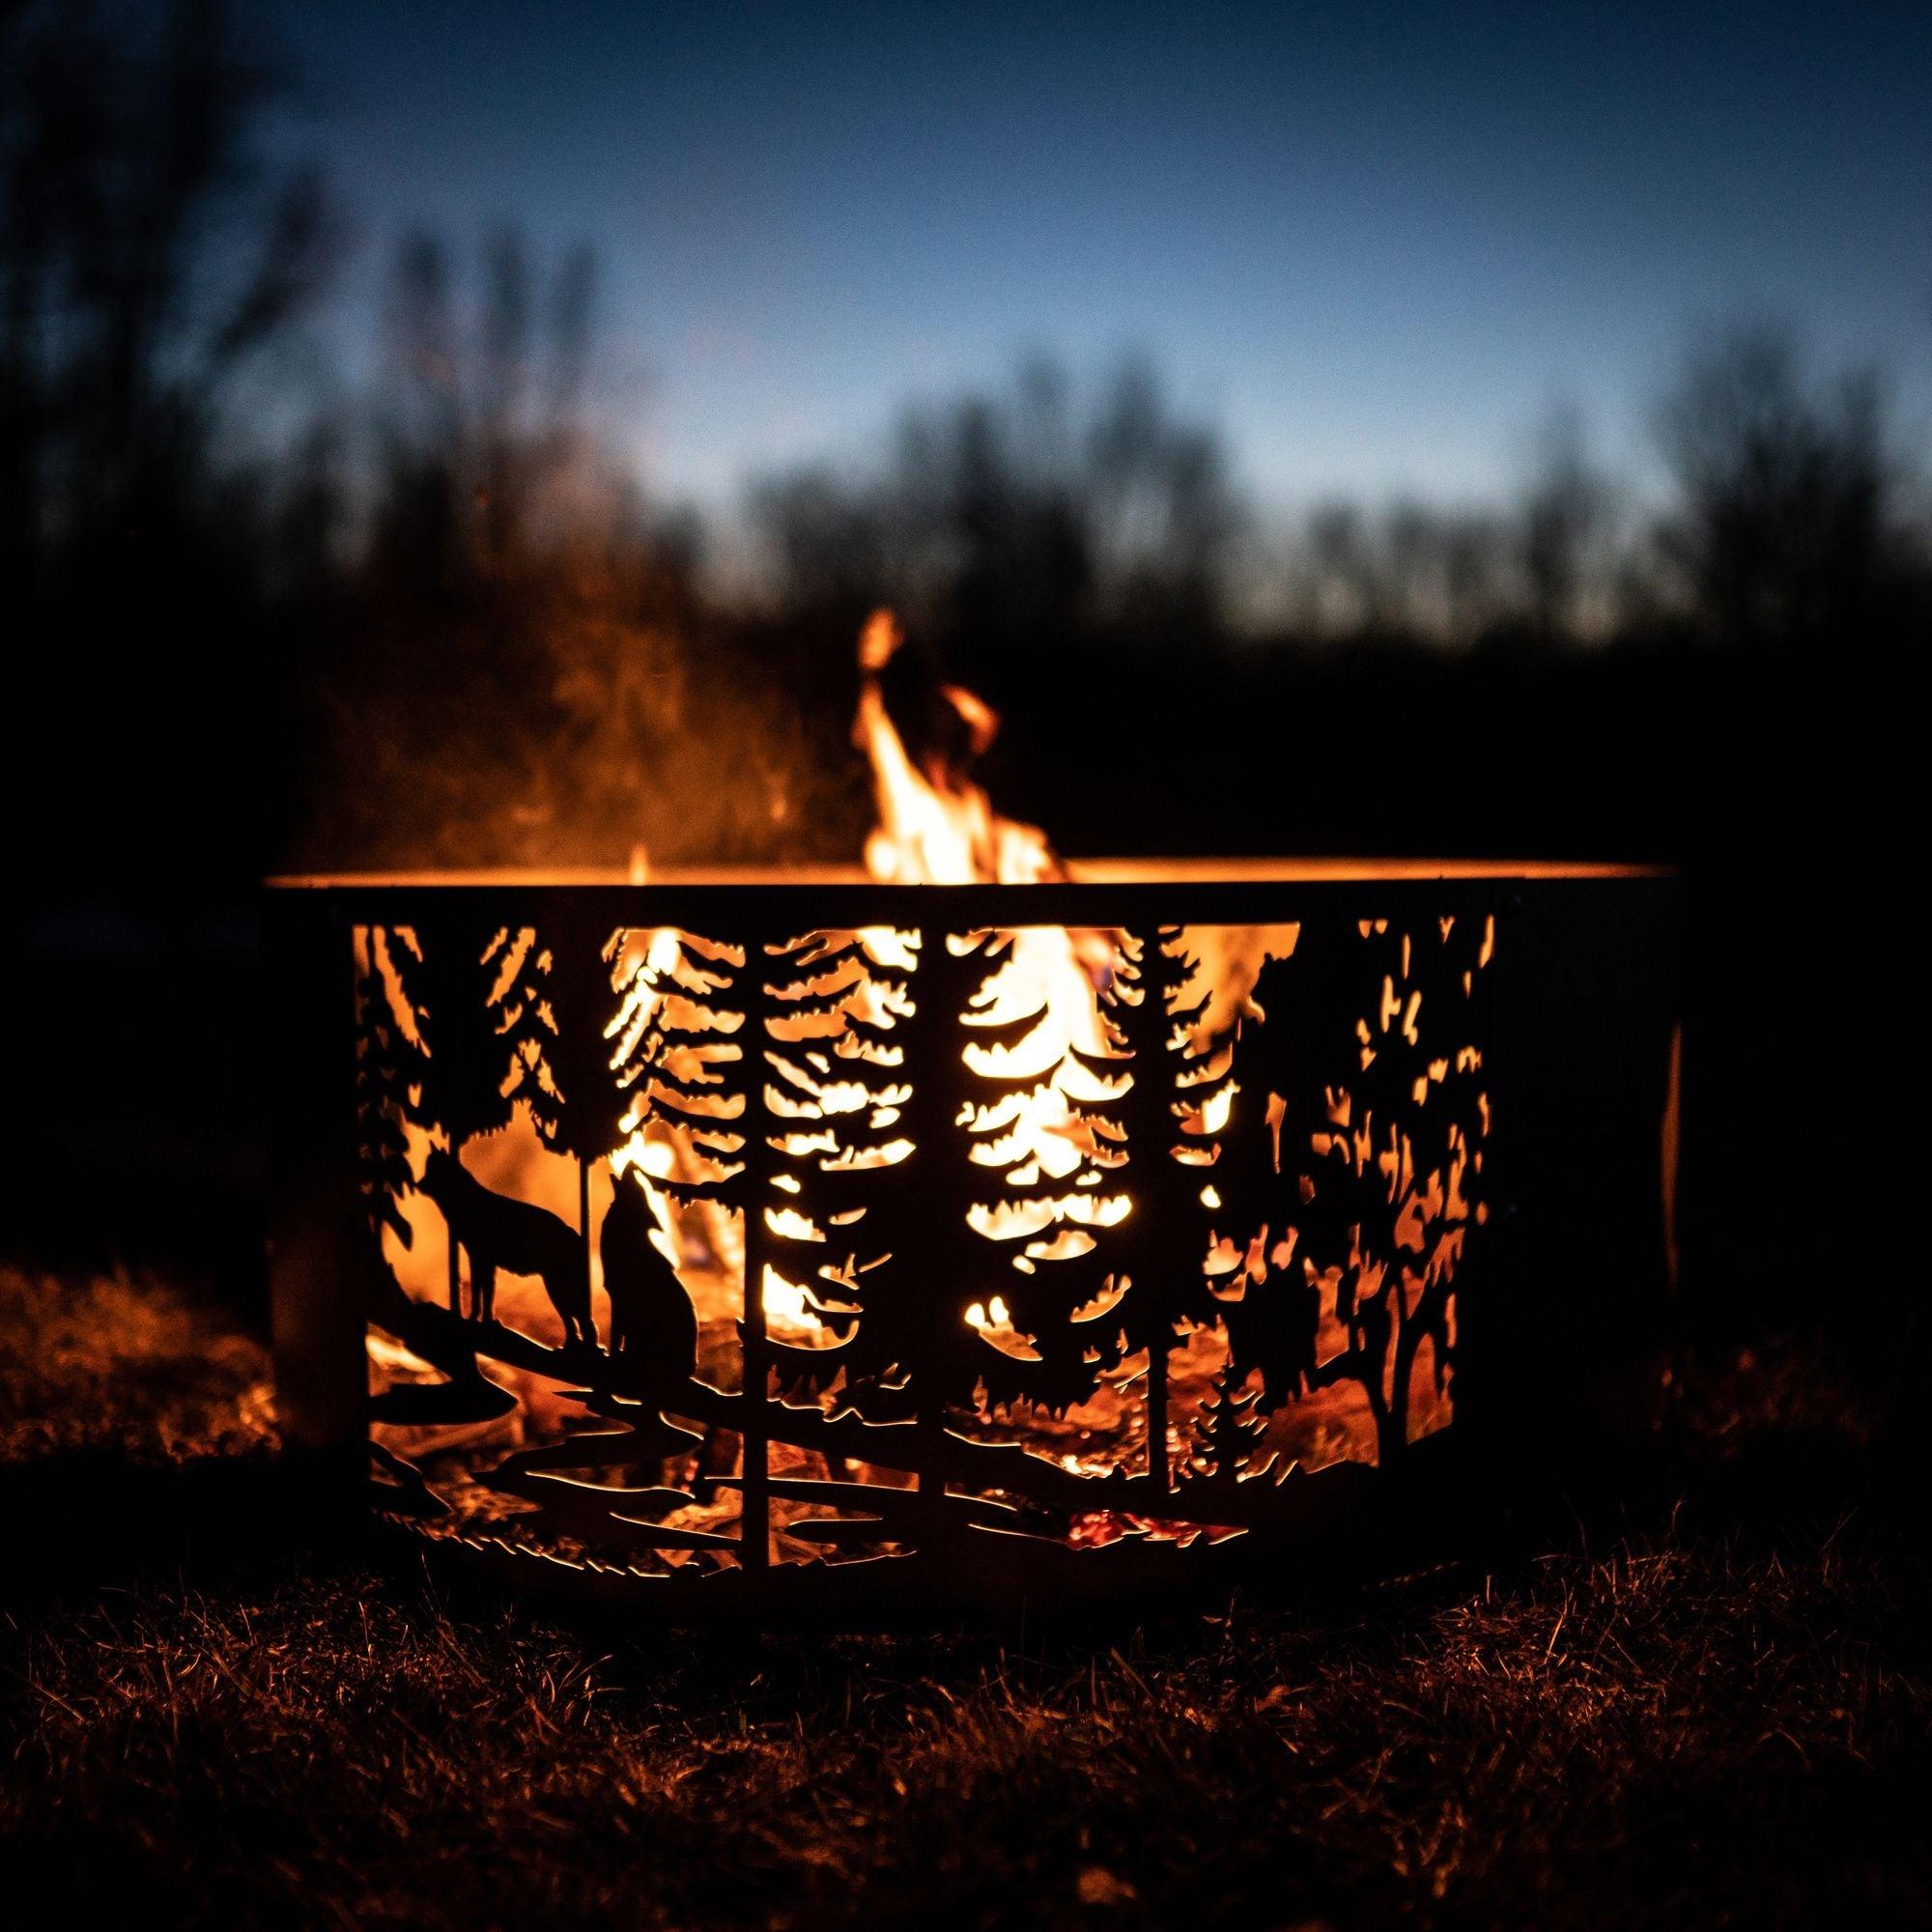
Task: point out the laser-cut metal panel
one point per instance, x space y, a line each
724 1240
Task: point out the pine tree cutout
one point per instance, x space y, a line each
833 1091
686 1055
680 1060
1230 1431
567 1037
1160 1118
457 982
383 1064
1065 1300
889 1181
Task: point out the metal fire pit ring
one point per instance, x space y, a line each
1116 1237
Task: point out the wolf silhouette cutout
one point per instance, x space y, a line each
499 1232
653 1325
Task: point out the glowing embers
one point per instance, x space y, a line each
1097 1239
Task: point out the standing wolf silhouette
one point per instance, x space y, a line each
653 1325
499 1232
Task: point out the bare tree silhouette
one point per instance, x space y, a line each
1008 522
1566 533
152 264
1787 527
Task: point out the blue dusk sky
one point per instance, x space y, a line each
1375 244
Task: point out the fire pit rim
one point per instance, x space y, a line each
1249 892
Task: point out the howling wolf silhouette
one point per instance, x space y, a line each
652 1322
499 1232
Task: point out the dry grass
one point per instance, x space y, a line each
1722 1718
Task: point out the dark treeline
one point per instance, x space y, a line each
466 634
503 651
153 277
265 614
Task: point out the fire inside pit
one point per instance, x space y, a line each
809 1241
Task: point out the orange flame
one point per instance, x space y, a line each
937 826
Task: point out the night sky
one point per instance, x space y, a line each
1376 246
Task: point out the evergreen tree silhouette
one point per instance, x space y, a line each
834 1092
383 1064
1048 1296
1159 1120
687 1049
910 1347
572 1012
1230 1428
679 1053
458 981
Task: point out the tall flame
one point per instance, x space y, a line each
938 827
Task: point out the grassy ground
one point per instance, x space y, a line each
211 1712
